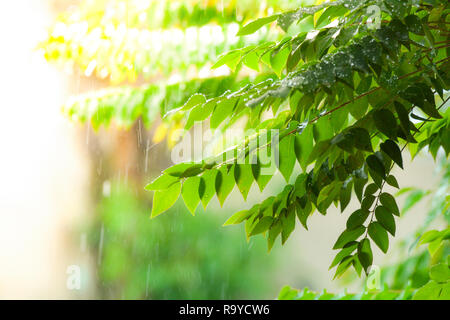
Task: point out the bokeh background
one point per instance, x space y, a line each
72 195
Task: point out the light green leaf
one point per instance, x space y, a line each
164 181
365 255
440 272
386 123
224 183
303 145
222 111
349 236
361 139
357 218
189 192
430 291
164 199
346 251
244 178
193 101
239 217
207 187
255 25
393 151
286 154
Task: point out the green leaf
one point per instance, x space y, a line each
379 235
345 195
193 101
430 291
348 236
238 217
303 213
388 201
278 59
286 19
327 195
224 183
263 173
189 192
361 139
393 151
414 24
392 181
243 176
262 226
386 219
164 199
199 113
207 187
303 146
287 293
164 181
357 218
440 272
346 251
230 58
251 60
318 150
179 169
370 189
255 25
376 165
286 154
288 224
222 111
367 202
402 116
274 231
343 266
300 185
365 255
429 236
386 123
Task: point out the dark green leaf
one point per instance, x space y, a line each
393 151
388 201
346 251
207 187
253 26
286 154
357 218
386 123
224 183
164 199
365 254
189 192
164 181
244 178
262 226
392 181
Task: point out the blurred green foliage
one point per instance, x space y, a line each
177 256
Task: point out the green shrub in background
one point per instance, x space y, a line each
176 257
